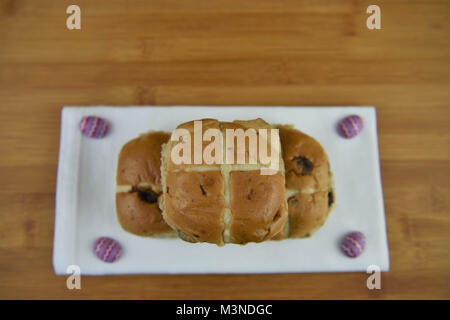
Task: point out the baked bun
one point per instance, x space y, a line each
309 185
139 186
222 202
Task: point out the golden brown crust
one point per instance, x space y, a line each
219 217
194 204
306 162
308 182
139 217
139 186
256 206
253 216
140 160
307 213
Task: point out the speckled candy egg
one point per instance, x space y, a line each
94 127
107 249
353 244
350 126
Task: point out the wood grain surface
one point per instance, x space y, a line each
229 52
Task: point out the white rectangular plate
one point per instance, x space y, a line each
85 197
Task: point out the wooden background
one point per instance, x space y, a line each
229 52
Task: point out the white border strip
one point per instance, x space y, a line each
66 192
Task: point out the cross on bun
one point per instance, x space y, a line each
309 183
221 202
139 186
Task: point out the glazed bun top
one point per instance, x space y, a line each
139 186
140 161
306 162
223 201
308 182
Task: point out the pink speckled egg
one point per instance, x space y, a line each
94 127
350 126
353 244
107 249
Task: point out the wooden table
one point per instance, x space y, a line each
246 52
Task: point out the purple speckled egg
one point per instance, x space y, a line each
353 244
107 249
350 126
94 127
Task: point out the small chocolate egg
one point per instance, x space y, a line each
350 126
353 244
107 249
94 127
